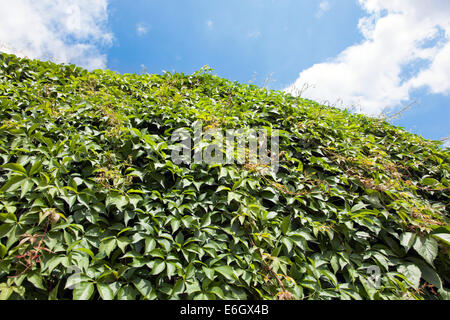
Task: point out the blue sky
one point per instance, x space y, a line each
235 38
365 54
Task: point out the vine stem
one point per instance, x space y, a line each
269 268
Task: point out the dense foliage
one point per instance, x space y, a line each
93 207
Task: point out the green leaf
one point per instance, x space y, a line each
117 199
13 183
89 252
26 186
150 244
445 293
334 261
122 242
358 207
444 237
126 293
429 182
427 247
75 279
35 168
107 246
36 279
15 167
189 271
407 239
105 291
158 267
5 291
124 230
226 271
233 196
218 292
53 295
2 251
430 275
192 287
83 291
208 272
178 287
285 224
412 273
201 296
143 286
175 224
171 269
54 262
330 276
287 243
134 199
5 229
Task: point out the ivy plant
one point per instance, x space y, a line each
93 205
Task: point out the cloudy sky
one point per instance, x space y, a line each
370 55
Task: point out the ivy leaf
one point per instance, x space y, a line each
288 244
2 251
358 207
429 274
150 244
178 287
412 273
105 291
83 291
427 247
87 251
285 224
26 186
407 239
13 183
218 292
117 199
16 168
54 262
192 287
6 228
5 291
158 267
35 168
134 200
226 271
122 242
75 279
233 196
107 246
444 237
208 272
126 292
36 279
429 182
144 287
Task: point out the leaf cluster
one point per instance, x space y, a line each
93 207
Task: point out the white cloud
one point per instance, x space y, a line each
254 34
209 23
141 29
371 74
324 6
58 30
447 144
